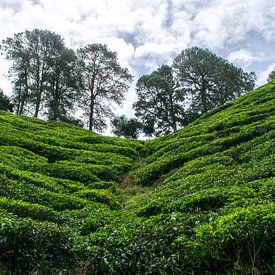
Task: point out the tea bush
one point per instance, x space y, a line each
102 196
24 209
28 245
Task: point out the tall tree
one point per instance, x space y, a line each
103 82
5 103
37 67
271 76
126 127
159 104
46 47
62 89
209 81
16 49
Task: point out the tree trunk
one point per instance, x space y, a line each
92 102
21 105
37 106
39 86
172 112
91 117
203 96
24 94
19 101
37 103
54 110
39 97
55 106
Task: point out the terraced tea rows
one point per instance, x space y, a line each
212 208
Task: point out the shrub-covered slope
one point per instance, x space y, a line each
55 179
216 187
212 210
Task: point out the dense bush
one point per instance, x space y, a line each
108 185
27 245
102 196
33 194
24 209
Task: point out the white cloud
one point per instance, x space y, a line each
147 34
221 22
264 75
124 50
245 57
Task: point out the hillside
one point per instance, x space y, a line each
211 208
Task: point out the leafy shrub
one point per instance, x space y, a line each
25 209
29 193
67 171
102 196
108 185
28 245
220 243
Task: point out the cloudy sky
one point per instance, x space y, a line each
149 33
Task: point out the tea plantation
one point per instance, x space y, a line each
202 197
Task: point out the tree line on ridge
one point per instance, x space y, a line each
53 81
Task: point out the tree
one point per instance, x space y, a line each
103 82
62 89
159 104
41 71
46 48
129 128
271 76
209 81
5 103
17 51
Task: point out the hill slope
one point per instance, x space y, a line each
212 209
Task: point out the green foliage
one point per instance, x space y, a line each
108 185
129 128
197 201
26 245
62 90
160 102
271 75
251 228
198 81
43 72
24 209
30 193
5 103
208 80
67 170
102 196
102 81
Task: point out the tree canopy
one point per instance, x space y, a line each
62 92
126 127
209 81
103 82
41 71
160 102
5 103
197 82
51 79
271 76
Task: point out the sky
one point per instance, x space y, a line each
149 33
